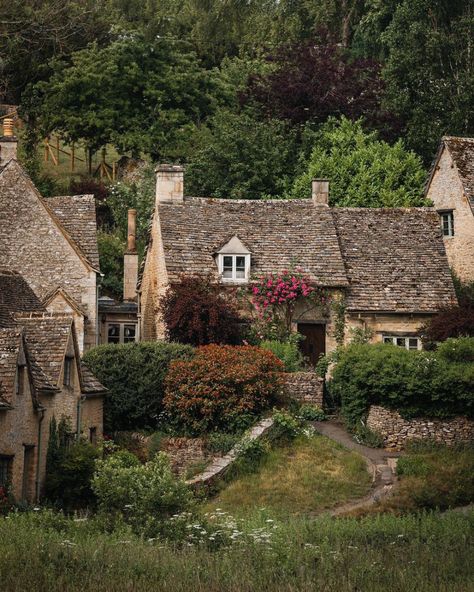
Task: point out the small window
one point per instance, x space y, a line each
234 267
406 342
129 333
68 365
113 334
5 470
447 223
20 379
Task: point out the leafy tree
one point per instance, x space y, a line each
430 69
139 96
363 170
240 156
111 251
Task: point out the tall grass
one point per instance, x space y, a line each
427 552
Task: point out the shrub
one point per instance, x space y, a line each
415 383
221 442
143 493
220 385
134 374
311 413
456 321
288 352
197 311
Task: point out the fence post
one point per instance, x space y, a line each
72 157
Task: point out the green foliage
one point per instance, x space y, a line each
69 468
145 494
241 156
288 352
368 437
310 412
361 335
286 424
111 250
339 309
221 387
221 442
134 374
416 383
363 170
457 350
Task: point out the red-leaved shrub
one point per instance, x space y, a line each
199 312
457 321
221 386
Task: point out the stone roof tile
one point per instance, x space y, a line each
462 153
15 296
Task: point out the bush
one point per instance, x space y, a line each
134 374
457 321
144 493
221 442
220 385
198 312
311 413
288 352
416 383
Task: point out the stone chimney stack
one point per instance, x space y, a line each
130 261
8 142
169 183
320 192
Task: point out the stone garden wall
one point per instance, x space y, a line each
306 387
396 430
184 452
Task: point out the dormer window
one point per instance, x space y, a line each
447 222
233 261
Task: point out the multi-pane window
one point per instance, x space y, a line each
121 332
403 341
234 267
5 470
447 223
67 376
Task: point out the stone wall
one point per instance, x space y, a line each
306 387
184 452
396 430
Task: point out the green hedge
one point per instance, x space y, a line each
134 374
415 383
289 353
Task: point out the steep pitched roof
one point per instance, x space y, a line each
462 153
81 216
77 215
395 259
10 343
15 296
90 385
279 234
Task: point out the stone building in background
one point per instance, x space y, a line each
52 242
451 189
388 266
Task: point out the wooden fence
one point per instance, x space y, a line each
52 151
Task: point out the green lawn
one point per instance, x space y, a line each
307 476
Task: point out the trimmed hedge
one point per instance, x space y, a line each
415 383
222 387
134 374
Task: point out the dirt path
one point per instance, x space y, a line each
381 464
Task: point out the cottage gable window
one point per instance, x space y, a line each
447 223
405 341
68 374
233 261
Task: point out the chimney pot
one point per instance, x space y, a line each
132 231
8 142
320 192
169 183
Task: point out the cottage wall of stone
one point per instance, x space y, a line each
19 428
384 324
92 416
40 252
447 193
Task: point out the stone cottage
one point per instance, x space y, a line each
41 376
387 266
52 242
451 188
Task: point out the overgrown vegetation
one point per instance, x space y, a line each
414 383
288 352
134 373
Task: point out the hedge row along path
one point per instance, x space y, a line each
380 464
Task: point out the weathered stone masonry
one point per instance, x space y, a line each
305 387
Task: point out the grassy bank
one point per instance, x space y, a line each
305 476
419 553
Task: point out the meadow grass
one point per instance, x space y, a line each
428 552
305 476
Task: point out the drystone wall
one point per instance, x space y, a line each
305 387
184 452
397 431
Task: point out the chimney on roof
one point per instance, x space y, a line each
169 183
320 192
130 260
8 142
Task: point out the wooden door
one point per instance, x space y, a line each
313 345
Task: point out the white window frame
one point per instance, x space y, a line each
234 279
394 338
447 216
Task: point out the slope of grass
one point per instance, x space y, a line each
416 553
305 476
